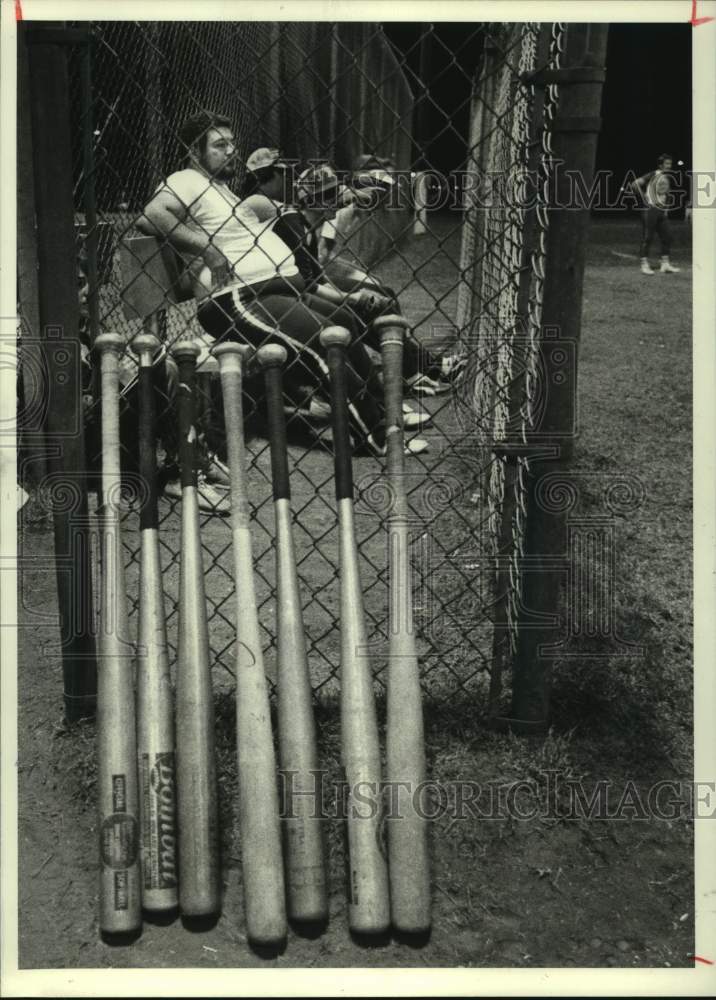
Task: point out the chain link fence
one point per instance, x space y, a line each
470 285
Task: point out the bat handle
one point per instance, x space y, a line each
272 357
185 353
232 358
335 340
392 330
145 346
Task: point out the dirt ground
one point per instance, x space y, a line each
540 891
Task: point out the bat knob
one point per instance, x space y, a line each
335 336
391 319
145 343
110 342
272 356
186 349
232 349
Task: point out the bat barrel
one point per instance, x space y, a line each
120 902
259 823
197 814
155 708
405 743
368 900
303 838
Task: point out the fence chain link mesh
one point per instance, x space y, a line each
471 284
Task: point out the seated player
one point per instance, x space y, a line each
245 279
303 225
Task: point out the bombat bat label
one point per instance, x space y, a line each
159 843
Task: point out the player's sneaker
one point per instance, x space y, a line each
211 500
217 473
667 267
319 410
423 385
413 419
415 446
646 267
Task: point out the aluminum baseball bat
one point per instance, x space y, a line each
155 702
408 859
259 823
120 896
368 899
303 835
197 812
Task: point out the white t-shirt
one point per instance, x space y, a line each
256 253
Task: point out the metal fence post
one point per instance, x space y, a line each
575 132
59 320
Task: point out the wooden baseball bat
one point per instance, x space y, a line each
120 898
262 861
155 708
368 901
197 815
408 859
303 835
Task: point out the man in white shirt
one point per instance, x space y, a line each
245 277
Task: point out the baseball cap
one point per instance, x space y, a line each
264 157
320 185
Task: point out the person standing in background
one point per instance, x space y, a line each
655 190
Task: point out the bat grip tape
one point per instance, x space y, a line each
148 514
341 429
187 423
277 433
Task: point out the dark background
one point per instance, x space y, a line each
646 106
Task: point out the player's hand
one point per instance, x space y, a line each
370 304
219 266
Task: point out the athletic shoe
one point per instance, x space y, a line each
423 385
413 420
218 473
668 268
646 266
415 446
319 410
210 499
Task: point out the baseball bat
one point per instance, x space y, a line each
408 860
259 823
197 816
303 836
120 897
155 709
368 901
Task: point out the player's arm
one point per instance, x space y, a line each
263 208
165 217
640 183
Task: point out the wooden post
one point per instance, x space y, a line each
59 321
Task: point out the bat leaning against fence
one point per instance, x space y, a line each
197 811
155 702
368 902
303 837
120 902
262 861
408 860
